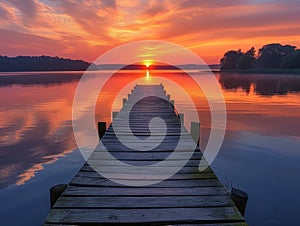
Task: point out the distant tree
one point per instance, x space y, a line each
230 58
292 60
272 55
251 52
246 60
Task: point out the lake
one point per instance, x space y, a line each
260 153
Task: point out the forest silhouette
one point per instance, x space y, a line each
41 63
270 56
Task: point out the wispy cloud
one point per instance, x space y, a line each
86 29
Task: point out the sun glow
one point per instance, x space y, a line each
147 63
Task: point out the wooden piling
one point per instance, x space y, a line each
181 117
240 199
124 101
172 102
55 192
195 132
101 129
114 114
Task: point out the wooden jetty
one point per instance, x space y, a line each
190 197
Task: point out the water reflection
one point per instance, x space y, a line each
265 104
35 128
38 78
262 134
264 84
35 118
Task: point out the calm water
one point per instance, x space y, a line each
260 153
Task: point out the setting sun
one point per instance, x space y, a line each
147 63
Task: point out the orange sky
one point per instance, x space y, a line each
85 29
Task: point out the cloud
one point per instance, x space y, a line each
95 17
4 14
90 25
29 7
28 44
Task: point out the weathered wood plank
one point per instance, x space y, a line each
144 156
141 176
184 170
157 215
143 202
214 224
144 191
79 181
171 163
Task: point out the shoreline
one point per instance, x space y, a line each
263 71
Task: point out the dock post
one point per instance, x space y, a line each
168 96
55 192
240 199
124 101
181 117
195 132
173 103
114 114
128 96
101 129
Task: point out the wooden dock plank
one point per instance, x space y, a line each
144 202
146 176
136 216
144 191
184 170
79 181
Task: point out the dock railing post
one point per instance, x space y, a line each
181 117
55 192
195 132
173 103
240 199
124 101
114 114
101 129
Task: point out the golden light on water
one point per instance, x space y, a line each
147 63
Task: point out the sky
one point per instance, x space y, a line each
85 29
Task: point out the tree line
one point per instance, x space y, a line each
270 56
41 63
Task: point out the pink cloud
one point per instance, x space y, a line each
91 27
